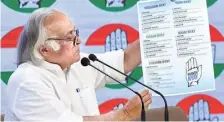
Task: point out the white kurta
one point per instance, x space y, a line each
45 92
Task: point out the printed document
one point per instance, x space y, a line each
175 46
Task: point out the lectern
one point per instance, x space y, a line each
157 114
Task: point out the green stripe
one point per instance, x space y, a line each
218 68
210 2
136 73
5 76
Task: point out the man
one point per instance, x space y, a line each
51 84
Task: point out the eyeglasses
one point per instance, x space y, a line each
74 40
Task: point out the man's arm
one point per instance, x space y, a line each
118 115
132 56
130 111
29 108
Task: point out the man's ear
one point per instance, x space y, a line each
44 50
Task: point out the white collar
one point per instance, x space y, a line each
53 68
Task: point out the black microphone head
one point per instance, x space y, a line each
93 57
85 61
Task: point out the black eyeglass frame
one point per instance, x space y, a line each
74 40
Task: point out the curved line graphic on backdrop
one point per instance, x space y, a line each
217 37
211 2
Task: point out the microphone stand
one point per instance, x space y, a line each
143 107
166 112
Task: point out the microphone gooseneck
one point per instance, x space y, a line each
85 62
93 57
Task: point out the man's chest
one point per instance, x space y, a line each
76 94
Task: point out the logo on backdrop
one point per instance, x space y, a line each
217 42
121 5
9 41
201 108
114 5
115 37
112 104
27 6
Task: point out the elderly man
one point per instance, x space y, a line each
51 84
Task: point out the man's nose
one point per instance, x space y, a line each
78 40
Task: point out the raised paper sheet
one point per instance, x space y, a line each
175 46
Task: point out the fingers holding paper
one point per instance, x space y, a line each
133 106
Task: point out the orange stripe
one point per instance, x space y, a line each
216 36
10 39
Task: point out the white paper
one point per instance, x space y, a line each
175 46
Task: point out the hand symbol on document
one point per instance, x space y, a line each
200 111
116 40
193 72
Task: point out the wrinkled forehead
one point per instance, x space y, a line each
58 24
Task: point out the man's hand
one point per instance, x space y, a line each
116 40
133 107
199 111
130 111
193 72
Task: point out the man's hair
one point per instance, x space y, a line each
33 35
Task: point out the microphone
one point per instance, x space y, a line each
85 62
93 57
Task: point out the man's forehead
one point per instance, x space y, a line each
55 17
58 24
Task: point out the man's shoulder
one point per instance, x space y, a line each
26 68
24 72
